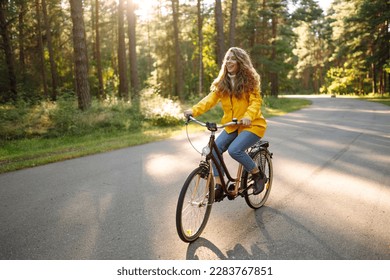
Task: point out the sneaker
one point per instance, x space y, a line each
259 180
218 193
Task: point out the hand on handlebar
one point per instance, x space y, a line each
246 121
187 113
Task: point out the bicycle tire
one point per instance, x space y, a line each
263 160
194 206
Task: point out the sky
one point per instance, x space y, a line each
324 4
145 6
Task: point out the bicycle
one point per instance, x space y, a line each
197 194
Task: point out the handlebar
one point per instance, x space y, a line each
212 126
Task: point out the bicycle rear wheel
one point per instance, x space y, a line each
194 205
263 160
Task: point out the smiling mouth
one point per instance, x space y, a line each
230 69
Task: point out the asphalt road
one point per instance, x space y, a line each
330 197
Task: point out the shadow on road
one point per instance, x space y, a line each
298 243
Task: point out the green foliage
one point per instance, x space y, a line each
275 106
299 45
160 111
265 31
12 120
62 118
360 39
343 80
310 47
340 81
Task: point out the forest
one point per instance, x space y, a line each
117 49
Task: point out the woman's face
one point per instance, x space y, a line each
231 63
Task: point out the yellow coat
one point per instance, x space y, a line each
248 106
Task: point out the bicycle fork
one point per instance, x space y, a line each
204 173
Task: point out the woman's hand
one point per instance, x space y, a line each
187 113
246 121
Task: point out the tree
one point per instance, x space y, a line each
309 29
178 49
360 42
122 65
53 65
9 55
232 26
220 47
200 45
21 39
274 77
80 55
40 49
376 14
179 82
101 94
277 10
132 48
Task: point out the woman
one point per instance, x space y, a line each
237 87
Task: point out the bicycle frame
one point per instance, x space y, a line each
220 164
196 196
222 168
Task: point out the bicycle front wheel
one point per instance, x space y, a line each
194 205
263 160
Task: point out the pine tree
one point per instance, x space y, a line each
80 55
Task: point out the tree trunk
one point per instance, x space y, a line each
101 94
179 82
53 66
274 78
219 30
122 64
261 25
373 81
252 23
21 29
9 55
200 38
40 49
381 83
80 55
132 49
232 26
316 79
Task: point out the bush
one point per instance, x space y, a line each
109 116
160 111
23 120
55 119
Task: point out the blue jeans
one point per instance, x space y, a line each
236 144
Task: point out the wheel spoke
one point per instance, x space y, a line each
193 207
263 160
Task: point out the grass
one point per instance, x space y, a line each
384 99
280 106
47 136
23 153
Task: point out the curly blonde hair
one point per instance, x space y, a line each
247 79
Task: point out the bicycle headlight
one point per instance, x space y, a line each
205 151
